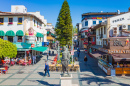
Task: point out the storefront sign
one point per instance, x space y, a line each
118 51
120 19
119 43
99 17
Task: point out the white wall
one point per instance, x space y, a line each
18 9
126 21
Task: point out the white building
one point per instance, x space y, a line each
23 28
115 26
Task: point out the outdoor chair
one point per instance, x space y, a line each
6 69
29 62
12 63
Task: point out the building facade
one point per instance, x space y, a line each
23 29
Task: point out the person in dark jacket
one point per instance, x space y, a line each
85 60
47 69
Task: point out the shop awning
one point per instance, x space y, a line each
10 33
121 57
2 33
19 33
41 49
22 49
49 38
39 35
96 54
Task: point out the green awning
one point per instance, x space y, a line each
39 35
19 33
41 49
10 33
48 32
53 34
2 33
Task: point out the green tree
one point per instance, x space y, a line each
75 30
64 25
7 49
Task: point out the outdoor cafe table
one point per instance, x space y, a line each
2 69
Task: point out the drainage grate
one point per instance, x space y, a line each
20 72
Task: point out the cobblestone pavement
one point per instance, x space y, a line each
88 75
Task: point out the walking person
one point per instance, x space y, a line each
85 60
34 59
47 55
46 69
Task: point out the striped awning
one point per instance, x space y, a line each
2 33
19 33
10 33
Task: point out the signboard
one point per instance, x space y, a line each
72 52
99 17
32 45
113 72
118 51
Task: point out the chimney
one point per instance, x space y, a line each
118 11
129 9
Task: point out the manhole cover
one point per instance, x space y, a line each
20 72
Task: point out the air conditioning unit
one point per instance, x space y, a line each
124 27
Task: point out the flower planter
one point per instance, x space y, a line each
19 23
10 23
1 23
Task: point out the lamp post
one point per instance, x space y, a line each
72 45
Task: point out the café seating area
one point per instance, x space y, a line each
58 67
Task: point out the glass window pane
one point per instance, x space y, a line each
10 19
129 27
94 22
19 38
100 22
86 23
20 20
10 38
1 20
1 37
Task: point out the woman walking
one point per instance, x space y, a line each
85 60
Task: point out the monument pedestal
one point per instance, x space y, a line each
66 80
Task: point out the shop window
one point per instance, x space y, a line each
19 20
94 22
1 37
10 38
100 22
104 30
86 23
10 20
19 38
1 20
128 27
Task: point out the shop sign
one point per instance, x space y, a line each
120 19
99 17
32 45
118 51
119 43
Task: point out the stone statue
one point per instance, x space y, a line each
65 60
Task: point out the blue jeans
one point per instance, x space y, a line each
34 61
47 57
47 71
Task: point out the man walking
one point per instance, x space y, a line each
85 60
47 69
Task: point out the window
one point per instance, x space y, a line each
19 38
1 37
86 23
120 27
1 20
100 22
94 22
38 38
19 20
128 27
104 30
10 20
34 22
10 38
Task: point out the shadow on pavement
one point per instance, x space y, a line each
46 83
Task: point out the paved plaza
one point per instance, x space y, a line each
88 75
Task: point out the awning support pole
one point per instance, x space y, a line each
25 55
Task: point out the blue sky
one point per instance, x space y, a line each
50 8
